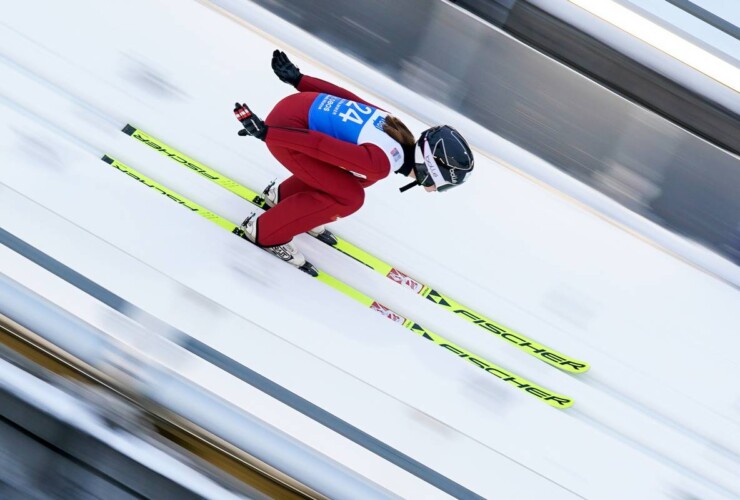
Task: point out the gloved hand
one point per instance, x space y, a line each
252 124
284 69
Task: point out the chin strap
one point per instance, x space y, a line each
409 186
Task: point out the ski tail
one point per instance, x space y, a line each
197 167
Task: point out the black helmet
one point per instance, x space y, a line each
444 158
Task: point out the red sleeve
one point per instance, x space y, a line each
312 84
366 159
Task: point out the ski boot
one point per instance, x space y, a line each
270 199
286 252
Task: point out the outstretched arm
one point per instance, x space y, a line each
313 84
291 74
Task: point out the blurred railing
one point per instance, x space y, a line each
132 368
69 443
640 159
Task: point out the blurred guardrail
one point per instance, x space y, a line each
638 158
121 365
57 444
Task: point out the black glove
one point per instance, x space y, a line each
253 126
284 69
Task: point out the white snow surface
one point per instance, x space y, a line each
658 415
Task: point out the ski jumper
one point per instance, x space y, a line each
333 143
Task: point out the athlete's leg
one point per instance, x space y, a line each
290 186
316 194
291 111
324 193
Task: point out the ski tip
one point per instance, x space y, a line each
128 129
107 159
559 401
576 367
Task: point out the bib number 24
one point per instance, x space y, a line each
353 112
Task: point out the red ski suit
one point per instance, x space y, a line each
322 187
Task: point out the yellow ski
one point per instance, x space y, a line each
551 398
515 339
